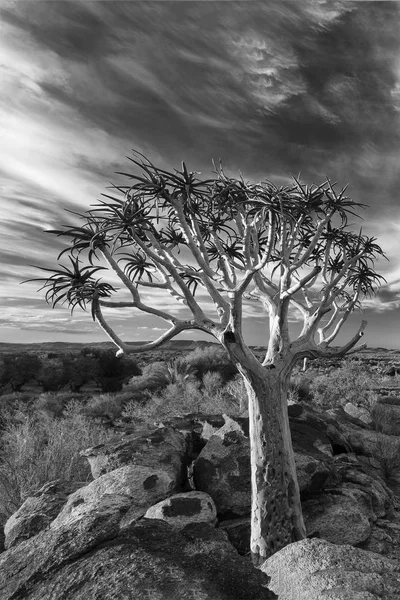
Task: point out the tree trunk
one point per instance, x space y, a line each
276 518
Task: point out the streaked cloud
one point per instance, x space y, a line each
272 87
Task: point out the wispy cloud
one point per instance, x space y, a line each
273 88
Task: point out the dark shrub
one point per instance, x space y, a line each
80 370
211 358
52 375
17 369
392 400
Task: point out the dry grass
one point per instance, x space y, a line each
388 454
36 448
349 383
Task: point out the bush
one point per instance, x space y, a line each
191 396
104 405
54 403
391 400
36 448
17 369
156 376
80 370
52 375
386 419
111 366
388 454
210 358
348 383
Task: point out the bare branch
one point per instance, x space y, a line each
328 352
98 315
318 232
168 335
301 283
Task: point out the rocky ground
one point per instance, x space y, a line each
167 516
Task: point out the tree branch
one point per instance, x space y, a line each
168 335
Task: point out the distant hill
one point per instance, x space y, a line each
170 346
42 347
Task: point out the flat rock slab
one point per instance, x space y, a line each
315 569
150 560
183 509
163 448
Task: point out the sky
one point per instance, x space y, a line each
274 88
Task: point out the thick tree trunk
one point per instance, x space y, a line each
276 519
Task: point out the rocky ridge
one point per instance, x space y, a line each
167 516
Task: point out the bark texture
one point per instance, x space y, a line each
276 509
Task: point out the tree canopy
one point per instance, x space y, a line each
285 247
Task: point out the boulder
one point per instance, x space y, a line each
222 470
384 539
182 509
238 531
359 437
309 431
140 486
315 569
351 473
163 448
311 472
340 518
198 428
148 559
38 511
359 412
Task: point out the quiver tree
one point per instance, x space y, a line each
288 249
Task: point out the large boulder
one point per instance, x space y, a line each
315 569
359 437
182 509
140 486
384 538
96 558
163 448
340 518
222 470
38 511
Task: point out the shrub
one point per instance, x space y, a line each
385 418
104 405
212 382
111 366
348 383
52 375
80 370
54 403
210 358
388 454
391 400
17 369
36 448
158 375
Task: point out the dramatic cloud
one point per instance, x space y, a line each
272 87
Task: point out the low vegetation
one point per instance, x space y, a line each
37 447
41 435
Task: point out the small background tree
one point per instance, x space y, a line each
289 249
